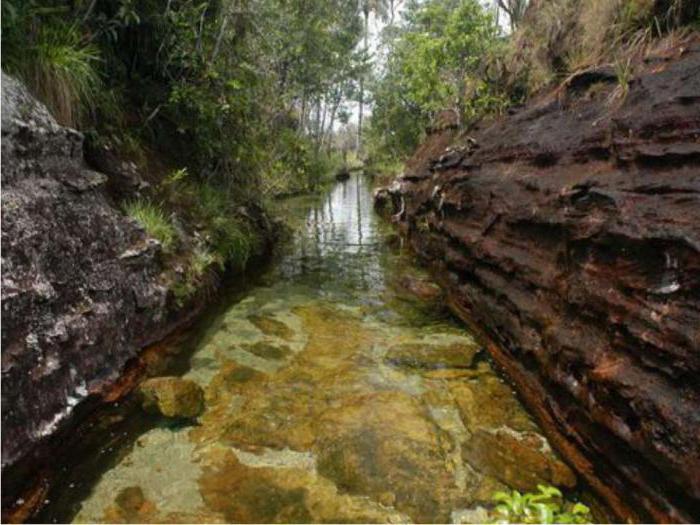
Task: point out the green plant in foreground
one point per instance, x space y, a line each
545 506
152 219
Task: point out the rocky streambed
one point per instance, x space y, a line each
335 389
567 235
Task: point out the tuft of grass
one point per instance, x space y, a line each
153 220
623 71
60 69
559 37
231 238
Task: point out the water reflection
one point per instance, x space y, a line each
337 250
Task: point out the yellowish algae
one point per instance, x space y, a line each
322 404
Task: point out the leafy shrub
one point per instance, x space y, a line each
295 165
153 220
230 237
232 241
196 274
544 506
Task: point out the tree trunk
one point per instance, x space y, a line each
329 129
317 126
303 114
219 38
322 131
362 89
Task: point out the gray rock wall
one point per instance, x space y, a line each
80 281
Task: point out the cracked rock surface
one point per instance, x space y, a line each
568 235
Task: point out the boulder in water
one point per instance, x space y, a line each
172 397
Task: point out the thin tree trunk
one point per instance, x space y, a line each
303 114
318 122
322 131
201 30
362 89
219 38
329 130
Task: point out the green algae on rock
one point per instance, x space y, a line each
271 326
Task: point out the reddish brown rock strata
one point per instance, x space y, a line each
568 236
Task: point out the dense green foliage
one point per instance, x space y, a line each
235 90
435 62
237 99
544 506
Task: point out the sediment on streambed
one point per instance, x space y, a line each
87 280
568 235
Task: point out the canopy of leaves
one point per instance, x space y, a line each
435 61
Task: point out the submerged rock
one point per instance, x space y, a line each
422 289
267 350
519 460
432 357
172 397
271 326
490 403
246 495
130 499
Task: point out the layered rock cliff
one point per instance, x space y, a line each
567 234
82 287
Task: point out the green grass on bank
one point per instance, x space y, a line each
216 233
153 219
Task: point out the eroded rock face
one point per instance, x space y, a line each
568 234
80 288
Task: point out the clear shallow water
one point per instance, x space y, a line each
332 395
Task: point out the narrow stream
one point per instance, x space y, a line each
333 394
